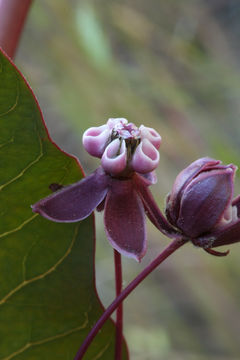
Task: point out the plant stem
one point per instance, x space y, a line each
170 249
119 315
12 18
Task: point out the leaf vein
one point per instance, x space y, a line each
14 105
26 168
98 356
11 140
43 275
49 339
19 227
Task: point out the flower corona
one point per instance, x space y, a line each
123 148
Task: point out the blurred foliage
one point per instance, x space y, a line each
172 65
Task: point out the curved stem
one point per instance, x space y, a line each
170 249
119 315
12 18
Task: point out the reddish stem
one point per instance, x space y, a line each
119 315
12 18
170 249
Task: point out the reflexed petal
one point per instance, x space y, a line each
205 200
95 140
100 206
149 178
124 219
151 208
230 216
152 135
114 159
217 253
229 235
236 203
75 202
145 158
183 178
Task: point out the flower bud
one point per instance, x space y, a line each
201 198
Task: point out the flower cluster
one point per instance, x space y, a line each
123 148
200 207
119 186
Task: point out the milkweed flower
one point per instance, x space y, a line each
201 204
128 156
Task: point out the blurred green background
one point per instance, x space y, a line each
172 65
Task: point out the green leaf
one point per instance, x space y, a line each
48 301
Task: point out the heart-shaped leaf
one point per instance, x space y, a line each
48 301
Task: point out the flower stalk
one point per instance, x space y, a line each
119 312
169 250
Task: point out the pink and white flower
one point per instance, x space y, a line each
128 156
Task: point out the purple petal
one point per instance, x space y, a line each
217 253
204 201
183 178
151 208
236 202
124 219
77 201
149 178
228 235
